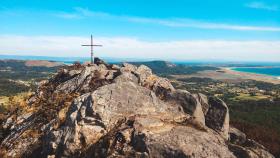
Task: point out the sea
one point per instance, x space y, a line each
265 68
270 71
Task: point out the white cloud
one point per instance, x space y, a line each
170 22
122 47
81 13
262 5
203 25
68 15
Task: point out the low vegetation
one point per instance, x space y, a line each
10 88
254 106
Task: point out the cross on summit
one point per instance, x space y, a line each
91 45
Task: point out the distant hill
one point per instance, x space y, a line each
18 76
42 63
165 68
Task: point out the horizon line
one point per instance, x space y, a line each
135 59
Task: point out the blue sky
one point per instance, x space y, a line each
178 29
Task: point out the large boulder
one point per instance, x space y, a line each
162 87
126 77
126 67
217 116
151 129
189 104
216 113
92 115
236 136
250 149
184 141
90 77
247 148
143 73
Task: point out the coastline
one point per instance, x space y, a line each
226 74
256 73
252 75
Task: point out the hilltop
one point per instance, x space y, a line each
42 63
165 68
103 110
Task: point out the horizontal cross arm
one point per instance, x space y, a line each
93 45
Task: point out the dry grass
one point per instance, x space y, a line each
18 101
31 133
3 153
14 106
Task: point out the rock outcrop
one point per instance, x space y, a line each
246 148
104 110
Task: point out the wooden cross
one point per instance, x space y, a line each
91 45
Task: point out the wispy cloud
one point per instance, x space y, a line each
125 47
83 13
262 5
68 15
202 25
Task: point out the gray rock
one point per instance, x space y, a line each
75 83
111 106
216 113
74 72
126 67
8 123
259 150
143 73
92 115
115 67
153 137
183 141
90 77
250 149
99 62
111 74
217 116
14 142
23 117
203 99
44 82
162 87
189 104
126 77
246 148
236 136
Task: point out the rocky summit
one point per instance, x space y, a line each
103 110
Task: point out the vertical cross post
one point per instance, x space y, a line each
91 50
